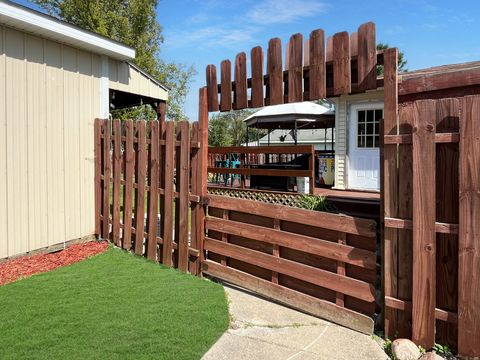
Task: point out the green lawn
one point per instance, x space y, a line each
112 306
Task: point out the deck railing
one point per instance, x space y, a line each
228 164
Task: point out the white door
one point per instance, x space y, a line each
363 147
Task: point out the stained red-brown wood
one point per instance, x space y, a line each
194 266
129 155
405 211
275 72
389 187
153 170
341 63
161 111
256 58
212 87
340 298
295 69
97 128
225 216
240 90
168 195
275 250
183 189
117 173
424 242
141 174
352 287
226 86
329 50
469 234
107 170
317 78
367 57
353 44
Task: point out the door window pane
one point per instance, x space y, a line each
368 128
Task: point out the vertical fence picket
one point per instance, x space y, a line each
317 75
295 69
212 87
226 86
367 57
194 265
424 240
256 59
129 154
168 193
98 174
161 184
469 229
106 180
117 171
141 182
241 95
183 190
341 63
275 72
153 167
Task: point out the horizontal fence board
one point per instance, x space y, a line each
407 224
335 222
406 306
305 303
304 243
356 288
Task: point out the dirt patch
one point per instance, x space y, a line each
26 266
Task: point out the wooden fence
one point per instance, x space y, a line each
431 189
147 180
346 63
254 161
321 263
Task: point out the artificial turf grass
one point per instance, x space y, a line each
112 306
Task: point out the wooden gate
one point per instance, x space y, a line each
146 184
432 222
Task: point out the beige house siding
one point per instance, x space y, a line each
342 125
124 77
51 95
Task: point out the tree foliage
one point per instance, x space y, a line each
229 129
134 23
402 62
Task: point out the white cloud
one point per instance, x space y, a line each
284 11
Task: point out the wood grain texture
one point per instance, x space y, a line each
98 173
424 241
107 170
226 86
141 174
194 267
275 72
212 87
295 69
256 59
469 234
367 57
117 173
129 155
389 187
183 189
309 304
341 63
153 172
317 81
340 297
240 90
168 196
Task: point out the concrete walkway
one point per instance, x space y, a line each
261 329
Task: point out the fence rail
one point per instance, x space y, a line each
295 256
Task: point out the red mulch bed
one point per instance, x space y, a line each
26 266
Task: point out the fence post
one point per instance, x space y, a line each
117 167
106 179
153 167
168 196
469 230
183 194
140 193
98 173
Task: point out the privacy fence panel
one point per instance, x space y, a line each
436 150
146 187
321 263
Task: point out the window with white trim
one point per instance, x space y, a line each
368 128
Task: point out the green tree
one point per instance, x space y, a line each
218 131
134 23
402 62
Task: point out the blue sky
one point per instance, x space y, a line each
200 32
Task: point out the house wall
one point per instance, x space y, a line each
50 98
342 109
